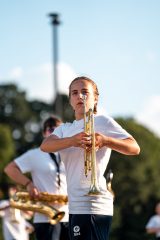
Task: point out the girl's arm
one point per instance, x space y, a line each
13 171
126 146
152 230
54 144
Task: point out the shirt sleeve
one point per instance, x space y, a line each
58 131
4 203
151 223
24 162
115 130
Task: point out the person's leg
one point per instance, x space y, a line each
47 231
64 231
100 226
89 227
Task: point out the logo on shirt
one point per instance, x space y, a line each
76 230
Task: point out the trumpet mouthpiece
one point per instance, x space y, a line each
84 97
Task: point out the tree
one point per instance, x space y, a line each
7 150
25 117
136 178
136 184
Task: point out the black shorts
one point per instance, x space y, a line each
47 231
89 226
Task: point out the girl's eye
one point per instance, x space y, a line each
84 92
74 93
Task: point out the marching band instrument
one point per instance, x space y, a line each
23 201
109 178
90 156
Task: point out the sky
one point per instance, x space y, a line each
116 43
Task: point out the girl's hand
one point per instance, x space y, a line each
33 192
99 140
82 140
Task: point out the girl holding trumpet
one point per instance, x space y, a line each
90 211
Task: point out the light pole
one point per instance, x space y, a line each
55 22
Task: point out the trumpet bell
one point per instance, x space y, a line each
94 191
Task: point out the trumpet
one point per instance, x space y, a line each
23 201
90 156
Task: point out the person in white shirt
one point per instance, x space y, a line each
89 215
48 175
153 224
14 224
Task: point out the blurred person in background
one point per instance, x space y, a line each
47 175
153 224
14 223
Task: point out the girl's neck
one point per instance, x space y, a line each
79 116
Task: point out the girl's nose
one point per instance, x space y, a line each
81 95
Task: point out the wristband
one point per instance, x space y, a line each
27 183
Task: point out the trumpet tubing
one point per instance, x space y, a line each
90 156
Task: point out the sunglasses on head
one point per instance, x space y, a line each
50 129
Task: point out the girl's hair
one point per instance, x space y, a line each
52 121
95 88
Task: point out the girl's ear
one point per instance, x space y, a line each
95 99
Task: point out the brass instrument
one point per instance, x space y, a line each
15 214
90 156
109 178
23 201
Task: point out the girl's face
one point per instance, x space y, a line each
49 130
77 90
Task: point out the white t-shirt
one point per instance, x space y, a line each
154 222
13 229
44 175
78 184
